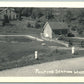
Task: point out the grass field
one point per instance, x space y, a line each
17 52
19 28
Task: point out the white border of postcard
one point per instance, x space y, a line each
41 4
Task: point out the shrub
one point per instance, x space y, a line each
82 44
37 25
70 35
61 37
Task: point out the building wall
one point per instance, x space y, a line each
11 15
47 31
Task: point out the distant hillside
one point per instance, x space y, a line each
74 17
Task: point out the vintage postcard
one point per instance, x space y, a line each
41 41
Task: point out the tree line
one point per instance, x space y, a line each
74 17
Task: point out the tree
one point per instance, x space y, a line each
19 12
49 14
27 12
40 14
68 16
81 16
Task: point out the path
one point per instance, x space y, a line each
28 36
39 39
57 41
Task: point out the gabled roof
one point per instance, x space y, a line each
58 25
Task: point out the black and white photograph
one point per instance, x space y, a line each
36 41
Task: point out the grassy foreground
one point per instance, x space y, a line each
17 53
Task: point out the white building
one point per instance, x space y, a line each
51 29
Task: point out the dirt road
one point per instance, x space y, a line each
67 67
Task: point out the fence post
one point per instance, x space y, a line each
73 50
36 55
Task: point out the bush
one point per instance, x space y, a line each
70 35
82 44
37 25
61 38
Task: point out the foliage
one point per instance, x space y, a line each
70 35
82 43
19 12
37 25
74 17
68 16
